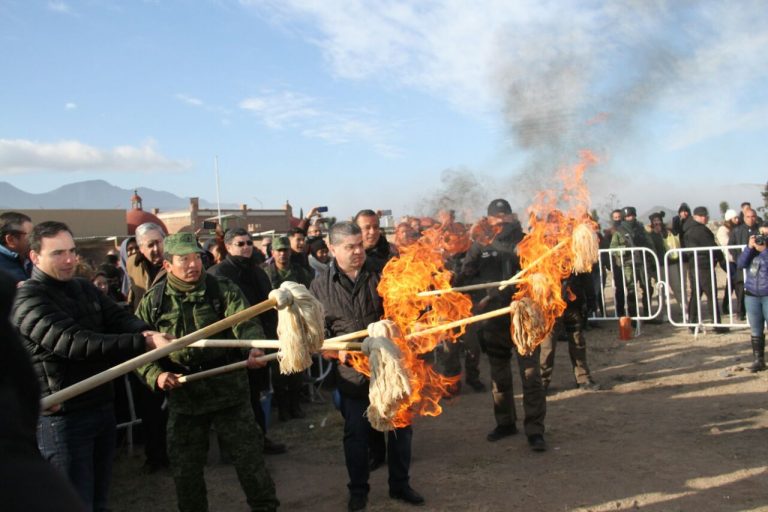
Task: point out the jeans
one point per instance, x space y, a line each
82 444
357 436
757 313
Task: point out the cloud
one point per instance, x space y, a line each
70 105
19 156
189 100
287 110
198 103
550 66
59 6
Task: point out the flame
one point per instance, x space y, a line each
553 216
419 267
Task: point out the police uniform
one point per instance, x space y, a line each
221 402
496 262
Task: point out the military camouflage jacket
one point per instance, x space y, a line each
182 313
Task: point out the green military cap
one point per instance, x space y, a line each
280 243
181 244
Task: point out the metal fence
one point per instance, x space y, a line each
632 282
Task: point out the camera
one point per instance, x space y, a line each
761 239
322 209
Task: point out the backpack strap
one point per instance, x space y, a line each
212 297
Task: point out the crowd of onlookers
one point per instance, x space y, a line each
259 264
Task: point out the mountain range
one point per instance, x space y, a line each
94 194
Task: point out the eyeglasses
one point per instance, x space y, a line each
244 242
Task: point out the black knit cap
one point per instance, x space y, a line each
684 208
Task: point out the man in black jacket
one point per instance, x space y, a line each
72 331
703 279
347 290
378 250
495 262
241 268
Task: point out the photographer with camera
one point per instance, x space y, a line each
755 260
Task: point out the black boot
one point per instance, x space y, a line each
758 349
295 405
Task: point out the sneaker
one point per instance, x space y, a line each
500 432
408 495
590 385
537 443
357 502
478 386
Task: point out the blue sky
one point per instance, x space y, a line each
388 105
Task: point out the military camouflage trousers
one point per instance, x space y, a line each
239 437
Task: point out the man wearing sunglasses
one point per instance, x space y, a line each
241 267
14 245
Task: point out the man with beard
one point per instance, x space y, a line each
188 300
144 266
377 249
348 292
240 267
495 262
628 235
15 229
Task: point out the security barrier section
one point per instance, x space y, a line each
632 282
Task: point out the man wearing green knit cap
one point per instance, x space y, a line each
187 301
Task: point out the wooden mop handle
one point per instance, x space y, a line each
458 323
153 355
517 278
329 344
223 369
532 264
337 343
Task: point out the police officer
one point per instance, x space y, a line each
188 300
495 262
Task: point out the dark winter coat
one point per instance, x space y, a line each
349 307
72 331
756 264
12 265
378 255
696 234
254 282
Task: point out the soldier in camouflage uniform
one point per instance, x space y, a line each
629 234
188 301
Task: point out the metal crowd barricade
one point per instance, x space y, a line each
685 270
698 269
133 420
644 266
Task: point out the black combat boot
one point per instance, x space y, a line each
758 349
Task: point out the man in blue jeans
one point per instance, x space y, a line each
347 290
71 332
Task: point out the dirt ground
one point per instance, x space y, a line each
679 426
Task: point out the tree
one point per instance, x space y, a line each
723 207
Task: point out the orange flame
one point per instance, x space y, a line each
419 267
553 217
